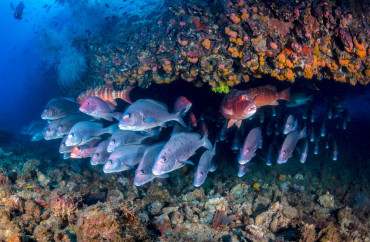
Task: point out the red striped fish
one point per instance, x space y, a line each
107 93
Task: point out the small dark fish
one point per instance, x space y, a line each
316 147
312 134
59 108
37 136
18 13
251 144
236 143
323 129
107 5
100 154
298 99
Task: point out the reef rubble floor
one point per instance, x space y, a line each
43 198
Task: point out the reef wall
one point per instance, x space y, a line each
230 42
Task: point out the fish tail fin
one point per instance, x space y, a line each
125 94
111 129
178 117
302 133
285 94
206 143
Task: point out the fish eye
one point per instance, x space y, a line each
78 147
126 116
113 141
142 172
47 130
284 152
110 162
201 173
88 103
96 155
71 135
164 159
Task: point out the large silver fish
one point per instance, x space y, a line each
205 165
100 154
289 144
146 114
177 151
83 132
50 131
290 124
251 144
143 173
124 158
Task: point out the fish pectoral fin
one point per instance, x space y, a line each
113 102
131 166
238 123
149 120
188 162
231 122
163 176
274 103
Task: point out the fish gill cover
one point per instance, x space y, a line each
184 120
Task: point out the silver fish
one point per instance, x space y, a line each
143 173
290 125
146 114
83 132
335 150
63 148
298 99
204 166
177 151
251 144
270 153
289 144
323 129
100 154
66 123
98 108
312 134
124 158
50 131
123 137
316 147
304 152
37 136
244 169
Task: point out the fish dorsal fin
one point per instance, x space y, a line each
270 87
155 102
231 122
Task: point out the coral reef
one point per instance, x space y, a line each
230 43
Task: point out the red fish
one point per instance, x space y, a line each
182 103
193 119
83 151
107 93
267 95
236 106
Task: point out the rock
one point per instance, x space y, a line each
177 217
239 191
327 200
344 216
261 203
33 209
307 233
217 203
155 208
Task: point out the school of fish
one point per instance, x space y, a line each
91 128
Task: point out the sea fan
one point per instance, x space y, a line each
71 68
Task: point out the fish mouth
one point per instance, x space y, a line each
158 173
73 156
